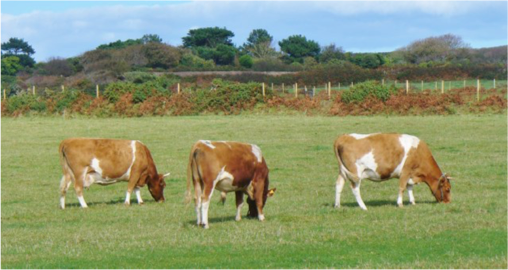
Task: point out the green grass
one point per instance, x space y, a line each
302 229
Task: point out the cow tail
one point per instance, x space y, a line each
342 167
66 168
191 168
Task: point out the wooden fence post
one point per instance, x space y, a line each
407 87
33 90
263 84
442 86
282 88
63 88
272 87
5 95
383 82
464 84
178 88
96 91
313 91
477 89
329 89
296 90
339 86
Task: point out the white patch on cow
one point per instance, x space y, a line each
204 212
257 152
128 198
360 136
366 167
95 166
410 193
238 212
62 202
137 190
207 143
407 142
82 202
399 200
410 182
356 192
224 181
261 217
127 174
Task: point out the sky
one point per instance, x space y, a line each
70 28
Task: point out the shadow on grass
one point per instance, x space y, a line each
112 202
378 203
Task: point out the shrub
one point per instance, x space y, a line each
246 61
361 91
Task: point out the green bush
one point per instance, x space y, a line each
26 102
115 90
228 97
246 61
65 99
361 91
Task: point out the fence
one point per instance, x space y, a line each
441 86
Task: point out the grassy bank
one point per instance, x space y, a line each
302 229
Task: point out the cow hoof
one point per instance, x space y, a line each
413 203
400 205
336 206
238 218
141 203
205 226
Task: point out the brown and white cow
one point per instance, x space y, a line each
228 167
379 157
106 161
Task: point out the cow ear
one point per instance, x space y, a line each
271 192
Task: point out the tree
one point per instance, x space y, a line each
258 36
437 49
16 46
59 67
259 44
298 47
10 65
210 37
151 38
21 49
331 52
161 55
366 60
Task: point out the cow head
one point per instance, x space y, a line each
156 187
442 192
253 210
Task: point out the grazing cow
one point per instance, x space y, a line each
379 157
227 167
105 161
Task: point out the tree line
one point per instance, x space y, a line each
211 48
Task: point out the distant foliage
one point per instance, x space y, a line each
361 91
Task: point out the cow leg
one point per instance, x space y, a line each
338 190
402 186
197 200
137 190
133 181
205 198
64 186
410 194
355 187
78 187
239 204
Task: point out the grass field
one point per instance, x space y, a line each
302 229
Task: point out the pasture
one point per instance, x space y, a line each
302 229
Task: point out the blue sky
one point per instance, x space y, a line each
70 28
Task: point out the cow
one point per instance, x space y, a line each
107 161
228 167
379 157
